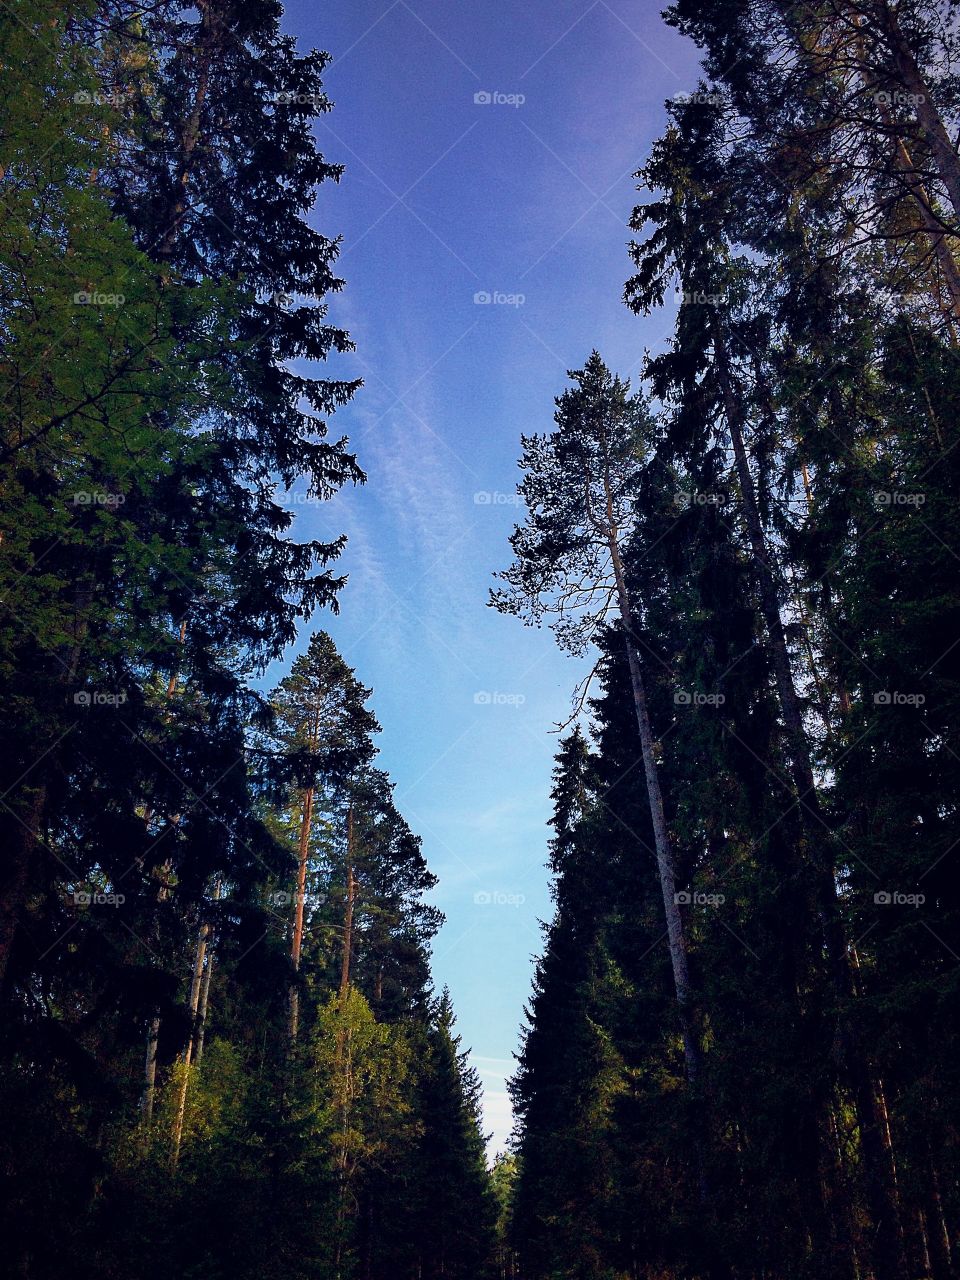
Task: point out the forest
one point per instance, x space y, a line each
223 1052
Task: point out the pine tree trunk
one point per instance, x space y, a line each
940 244
931 125
208 36
202 1011
150 1073
200 1022
903 159
661 838
297 944
153 1030
187 1057
348 909
938 1236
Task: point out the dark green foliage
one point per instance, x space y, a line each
162 323
797 616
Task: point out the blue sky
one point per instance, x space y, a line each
522 198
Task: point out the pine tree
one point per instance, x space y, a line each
326 732
579 488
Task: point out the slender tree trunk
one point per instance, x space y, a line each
661 838
150 1073
931 126
298 908
936 232
940 244
303 858
153 1030
938 1236
676 939
207 39
348 909
201 1018
187 1057
204 1003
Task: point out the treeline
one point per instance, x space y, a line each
220 1052
742 1054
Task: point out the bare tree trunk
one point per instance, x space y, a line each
202 1011
676 940
932 128
150 1071
661 838
153 1031
208 35
297 944
348 910
187 1056
938 1236
201 1018
944 153
940 244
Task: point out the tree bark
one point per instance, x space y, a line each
932 129
297 943
348 909
902 157
661 839
207 38
202 1011
187 1056
150 1071
153 1031
938 1236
